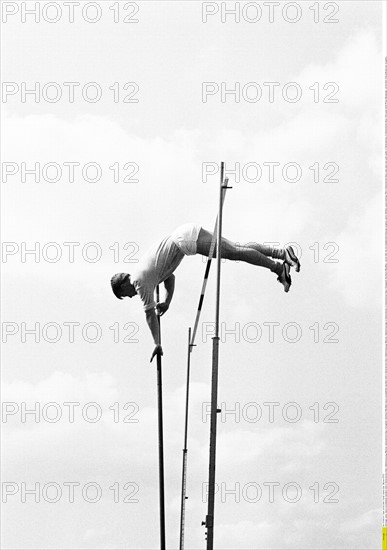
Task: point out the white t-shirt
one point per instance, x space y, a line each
158 263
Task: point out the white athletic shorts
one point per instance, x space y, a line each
185 237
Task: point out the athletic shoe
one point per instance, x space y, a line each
291 259
284 278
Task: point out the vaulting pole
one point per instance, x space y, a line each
214 382
185 450
161 437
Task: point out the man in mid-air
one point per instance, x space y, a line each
161 260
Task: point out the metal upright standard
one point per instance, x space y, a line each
191 345
214 382
161 437
208 267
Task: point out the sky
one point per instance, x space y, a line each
300 432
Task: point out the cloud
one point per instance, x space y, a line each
359 269
354 68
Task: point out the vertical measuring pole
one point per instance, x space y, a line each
214 382
161 437
185 450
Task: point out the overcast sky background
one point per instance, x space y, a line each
169 133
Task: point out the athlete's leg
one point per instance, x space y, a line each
286 254
277 253
236 252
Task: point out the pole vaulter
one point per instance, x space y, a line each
157 266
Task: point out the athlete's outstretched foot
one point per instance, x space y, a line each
284 278
291 259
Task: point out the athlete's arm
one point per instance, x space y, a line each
153 324
169 284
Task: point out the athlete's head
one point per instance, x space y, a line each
122 286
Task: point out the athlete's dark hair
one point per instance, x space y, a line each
116 281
